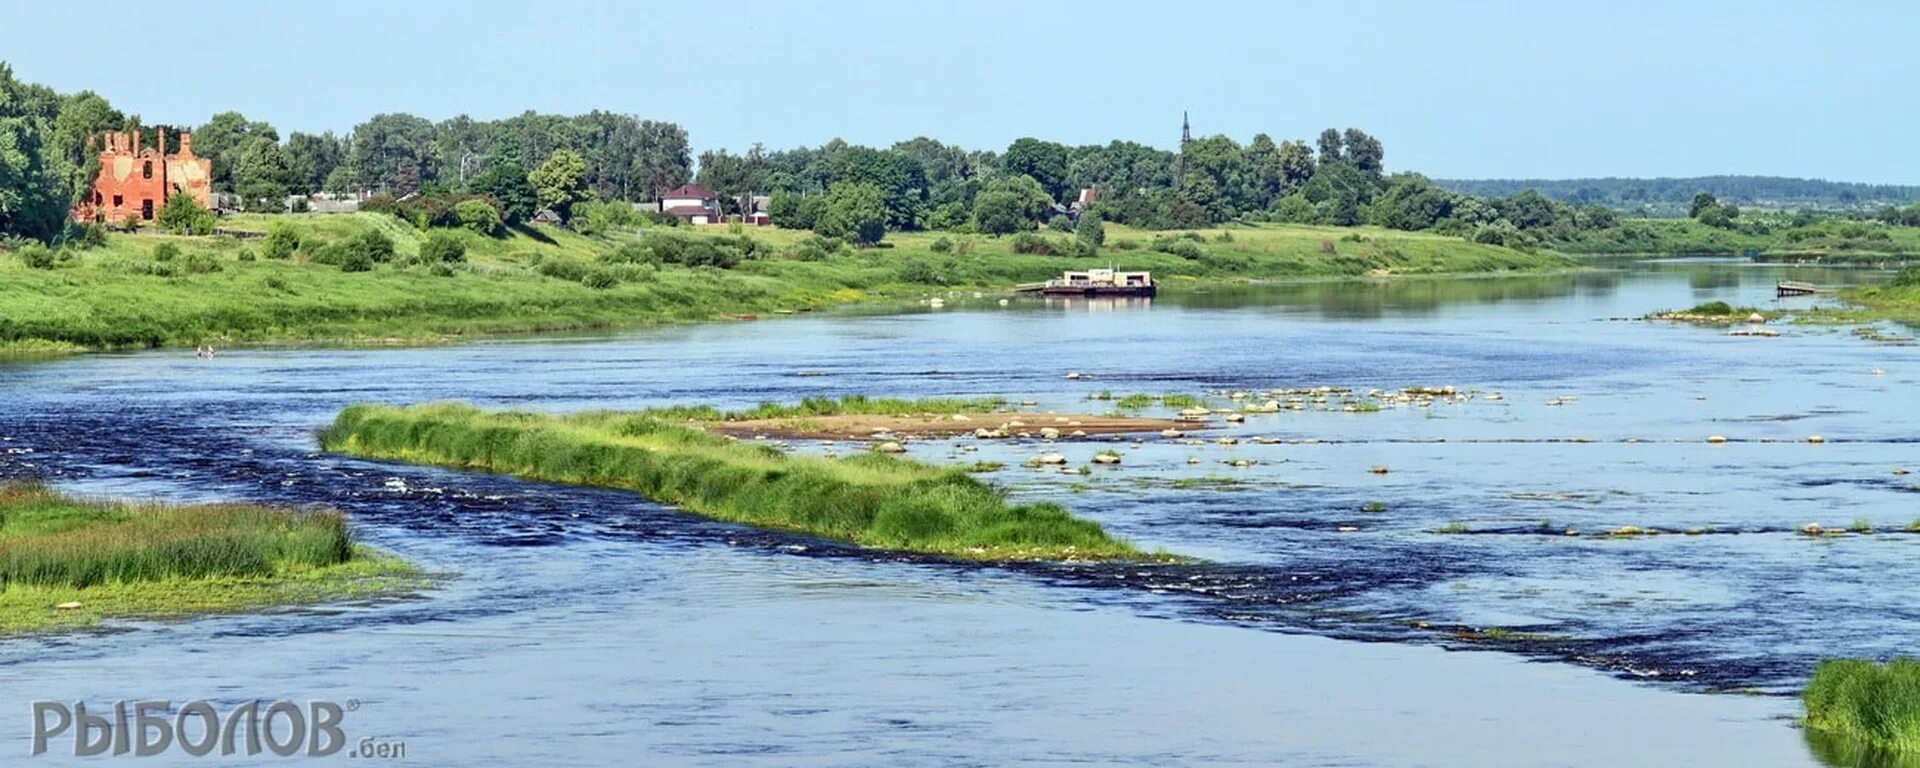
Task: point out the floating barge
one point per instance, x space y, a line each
1792 288
1097 282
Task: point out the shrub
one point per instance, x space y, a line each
1126 245
562 269
942 245
920 272
166 252
37 256
1908 278
443 247
274 283
1028 242
382 203
1180 246
372 244
817 248
183 215
479 216
594 218
1090 231
245 254
600 279
281 241
92 235
442 269
1060 224
199 262
352 260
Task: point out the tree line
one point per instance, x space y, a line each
1676 195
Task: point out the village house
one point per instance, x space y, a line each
135 181
692 202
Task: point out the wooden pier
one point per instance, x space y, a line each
1792 288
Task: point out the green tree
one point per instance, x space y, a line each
183 215
1090 231
1364 151
1269 177
33 196
1296 165
261 177
479 216
560 182
311 159
1410 202
224 139
854 212
1044 161
506 183
1701 202
1331 147
394 153
1008 204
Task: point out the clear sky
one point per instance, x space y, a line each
1454 89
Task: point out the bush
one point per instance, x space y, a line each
942 245
37 256
1090 231
687 250
246 254
1126 245
1060 224
183 215
443 269
281 242
199 262
1181 246
1908 278
165 252
372 244
1028 242
594 218
92 235
351 260
562 269
600 279
479 216
443 247
817 248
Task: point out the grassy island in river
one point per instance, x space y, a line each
68 563
870 499
309 283
1878 704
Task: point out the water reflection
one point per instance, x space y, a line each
1846 752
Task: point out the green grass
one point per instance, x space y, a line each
1827 241
150 560
850 405
868 499
538 279
1174 400
1875 703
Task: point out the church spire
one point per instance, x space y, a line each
1186 130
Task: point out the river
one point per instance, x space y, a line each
1340 616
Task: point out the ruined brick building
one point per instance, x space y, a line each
135 181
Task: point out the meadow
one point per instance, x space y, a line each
869 499
102 559
155 290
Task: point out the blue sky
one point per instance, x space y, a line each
1465 89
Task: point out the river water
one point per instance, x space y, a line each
1340 616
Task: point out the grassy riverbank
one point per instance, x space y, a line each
1875 703
1826 241
869 499
161 290
67 562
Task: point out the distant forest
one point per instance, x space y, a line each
1672 196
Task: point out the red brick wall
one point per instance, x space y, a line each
134 181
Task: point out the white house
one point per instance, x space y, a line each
692 202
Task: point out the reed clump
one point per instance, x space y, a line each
51 540
1875 703
869 499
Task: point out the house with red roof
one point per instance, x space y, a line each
695 203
